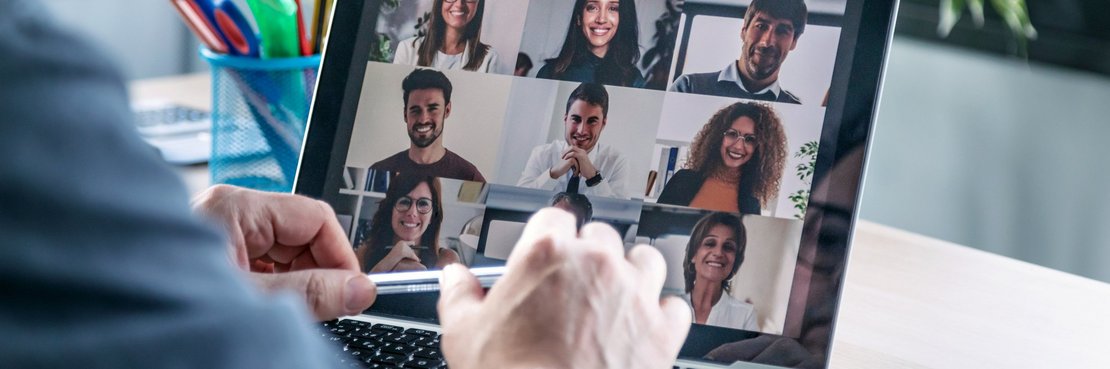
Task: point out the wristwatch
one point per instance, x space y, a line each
595 180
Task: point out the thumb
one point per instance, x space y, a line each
459 293
329 293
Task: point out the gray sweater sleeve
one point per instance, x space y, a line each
102 263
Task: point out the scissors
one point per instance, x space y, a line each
220 25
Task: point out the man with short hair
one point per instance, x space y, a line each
427 98
577 164
771 30
577 204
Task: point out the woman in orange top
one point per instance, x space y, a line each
735 162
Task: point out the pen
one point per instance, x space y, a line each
277 24
198 22
302 36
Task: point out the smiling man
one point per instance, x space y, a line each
771 30
578 164
427 97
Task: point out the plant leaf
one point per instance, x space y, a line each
950 11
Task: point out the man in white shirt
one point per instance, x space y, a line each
577 164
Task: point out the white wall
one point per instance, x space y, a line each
500 27
473 130
806 72
146 38
765 277
526 125
547 25
538 106
685 114
994 153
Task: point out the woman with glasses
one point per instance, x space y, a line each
451 39
404 233
601 45
735 162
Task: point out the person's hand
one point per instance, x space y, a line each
581 158
565 301
298 237
563 167
400 253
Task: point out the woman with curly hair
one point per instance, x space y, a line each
404 233
713 255
735 162
452 39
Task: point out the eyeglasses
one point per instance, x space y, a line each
732 135
423 205
455 1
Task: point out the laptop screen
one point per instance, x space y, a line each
722 133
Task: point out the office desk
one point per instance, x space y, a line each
909 301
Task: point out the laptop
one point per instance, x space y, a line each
729 135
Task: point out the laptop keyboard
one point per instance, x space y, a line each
369 345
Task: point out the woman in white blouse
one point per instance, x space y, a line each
713 255
451 40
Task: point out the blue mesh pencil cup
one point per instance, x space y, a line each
259 111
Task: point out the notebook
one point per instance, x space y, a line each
729 135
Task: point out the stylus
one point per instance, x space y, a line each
415 282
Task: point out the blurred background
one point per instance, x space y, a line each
973 145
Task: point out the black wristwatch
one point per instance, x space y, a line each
595 180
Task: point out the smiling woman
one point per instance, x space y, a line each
404 234
713 255
601 45
452 39
735 163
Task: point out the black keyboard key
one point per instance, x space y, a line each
387 328
404 339
420 332
364 345
373 365
427 342
427 353
423 364
398 349
388 359
369 335
360 355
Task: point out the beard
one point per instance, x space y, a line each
427 140
771 60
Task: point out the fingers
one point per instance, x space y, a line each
304 222
552 224
676 313
604 238
651 269
328 293
459 294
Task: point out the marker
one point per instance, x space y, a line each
277 23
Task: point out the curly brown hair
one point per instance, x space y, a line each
770 154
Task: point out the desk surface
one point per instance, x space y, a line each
909 301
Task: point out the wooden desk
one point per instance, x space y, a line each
909 301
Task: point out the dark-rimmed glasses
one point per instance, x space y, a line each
423 204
